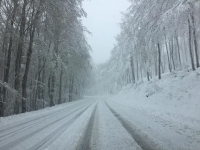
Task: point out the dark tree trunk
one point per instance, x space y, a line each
19 56
25 77
159 61
39 78
172 54
39 94
178 48
49 86
132 68
7 68
148 76
3 72
195 40
1 103
43 88
190 46
52 90
60 88
71 87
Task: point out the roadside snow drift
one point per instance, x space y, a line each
168 110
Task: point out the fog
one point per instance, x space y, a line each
103 18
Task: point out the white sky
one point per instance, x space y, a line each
103 21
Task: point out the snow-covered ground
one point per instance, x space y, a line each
157 115
167 110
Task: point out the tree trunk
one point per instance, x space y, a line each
132 68
3 68
156 64
19 56
172 54
190 46
52 90
60 87
43 88
7 68
169 63
148 76
178 48
137 69
1 103
71 87
39 97
49 87
25 77
195 40
159 61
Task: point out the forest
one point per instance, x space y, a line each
71 78
157 37
44 55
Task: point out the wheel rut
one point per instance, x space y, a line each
85 141
143 141
28 124
56 133
53 134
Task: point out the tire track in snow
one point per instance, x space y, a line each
56 133
33 132
27 125
85 141
5 132
143 141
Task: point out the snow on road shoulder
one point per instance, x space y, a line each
158 129
15 119
170 106
176 94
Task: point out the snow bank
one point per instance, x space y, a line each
5 121
177 95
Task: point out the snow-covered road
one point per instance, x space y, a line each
96 123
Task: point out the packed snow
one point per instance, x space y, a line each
167 109
156 115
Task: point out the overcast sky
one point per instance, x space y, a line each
103 18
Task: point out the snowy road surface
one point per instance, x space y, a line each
97 123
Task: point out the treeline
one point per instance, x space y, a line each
44 56
157 36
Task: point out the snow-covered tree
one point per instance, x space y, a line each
156 36
44 55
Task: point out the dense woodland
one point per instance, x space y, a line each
157 36
45 59
44 56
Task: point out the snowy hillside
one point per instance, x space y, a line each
178 92
167 107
